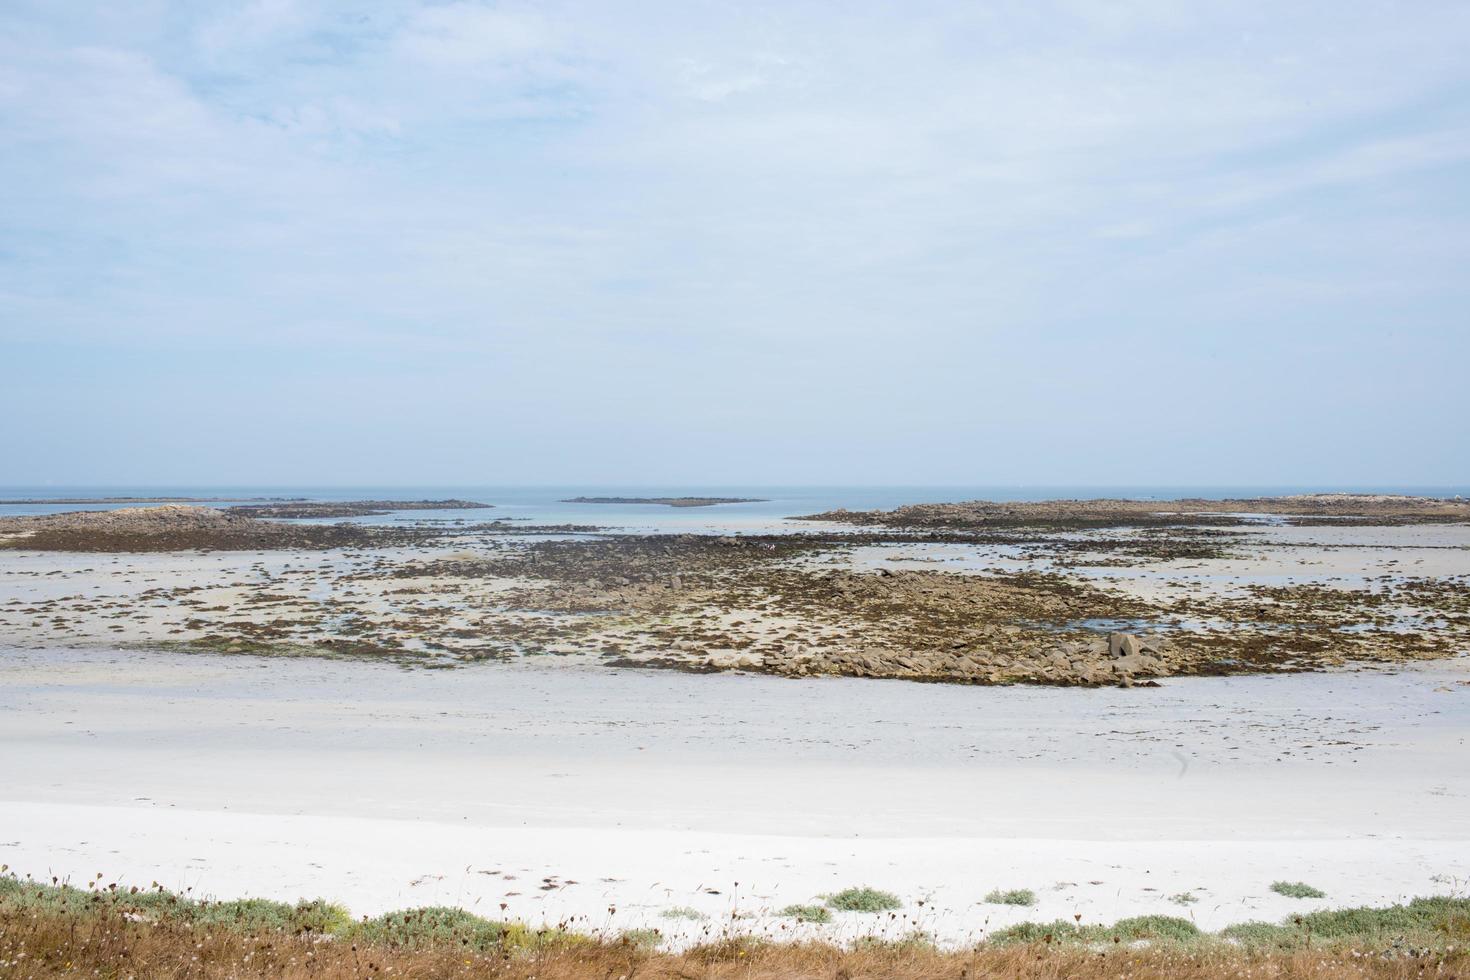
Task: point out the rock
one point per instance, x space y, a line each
1137 663
1096 673
1123 645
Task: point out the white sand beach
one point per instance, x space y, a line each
558 792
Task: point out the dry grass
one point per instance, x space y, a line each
47 931
51 944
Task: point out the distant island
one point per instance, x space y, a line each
667 501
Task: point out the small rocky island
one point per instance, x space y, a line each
667 501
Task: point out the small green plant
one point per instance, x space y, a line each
1297 889
1184 898
863 899
643 938
1015 896
1153 927
684 912
808 913
441 925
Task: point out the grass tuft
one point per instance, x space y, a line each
440 925
1297 889
1014 896
684 912
1422 922
1164 929
863 899
808 913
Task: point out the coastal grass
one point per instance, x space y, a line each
863 899
49 930
1158 929
1012 896
1423 924
684 912
1297 889
808 913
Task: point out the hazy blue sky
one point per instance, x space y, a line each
1005 242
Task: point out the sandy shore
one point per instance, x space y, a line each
564 791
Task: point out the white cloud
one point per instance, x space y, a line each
467 34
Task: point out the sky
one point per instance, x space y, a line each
695 242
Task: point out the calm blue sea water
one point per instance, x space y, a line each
542 504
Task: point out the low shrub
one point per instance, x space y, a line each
440 925
863 899
1014 896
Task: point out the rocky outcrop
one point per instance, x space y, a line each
1089 662
349 508
175 527
1358 508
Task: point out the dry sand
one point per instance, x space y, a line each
564 791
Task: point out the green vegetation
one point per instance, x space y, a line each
863 899
807 913
1424 922
1184 898
1436 925
1297 889
409 928
1153 928
439 925
1015 896
683 912
244 914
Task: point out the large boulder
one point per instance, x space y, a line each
1124 645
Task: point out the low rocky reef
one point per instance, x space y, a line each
1121 659
1319 508
349 508
1031 607
774 604
179 527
